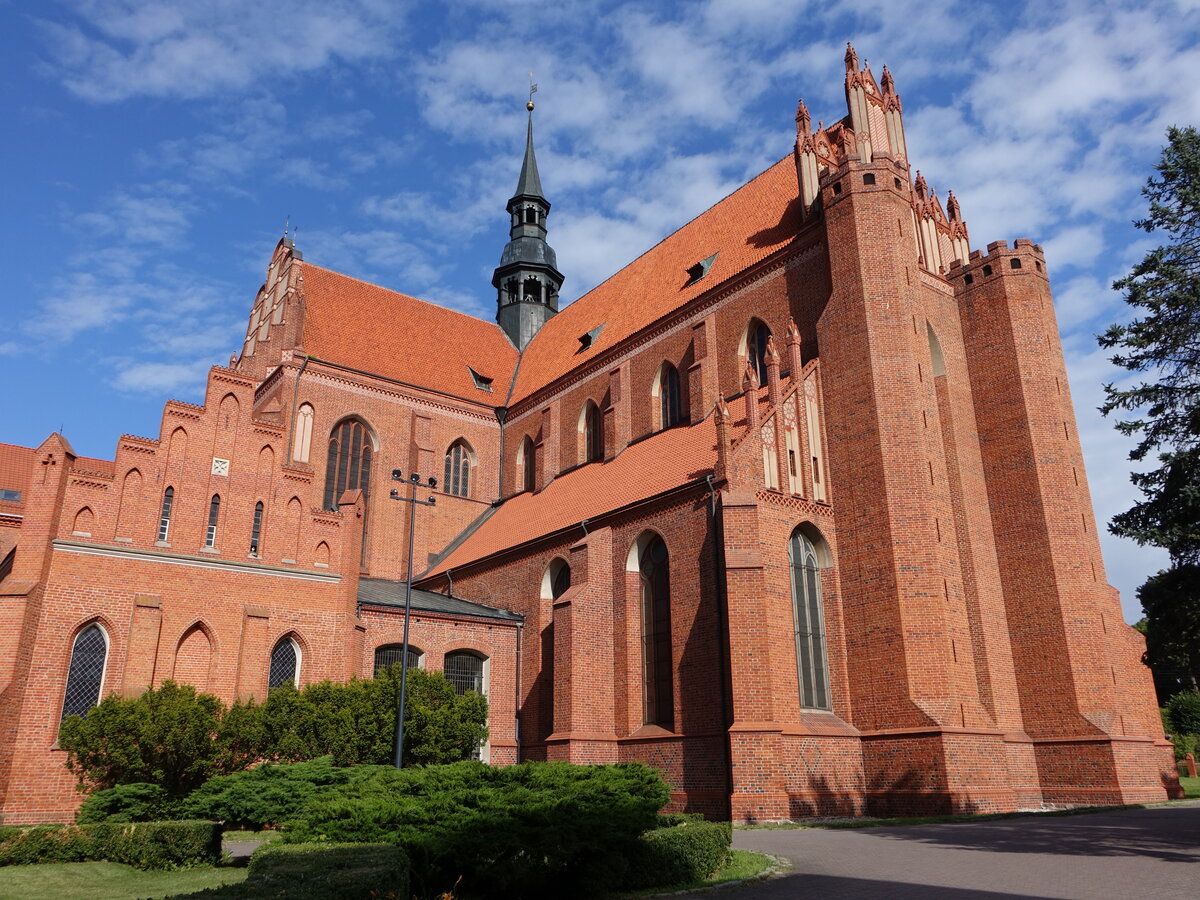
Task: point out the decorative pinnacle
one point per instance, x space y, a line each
851 58
532 91
887 84
803 119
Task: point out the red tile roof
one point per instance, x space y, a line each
666 460
366 327
750 224
15 463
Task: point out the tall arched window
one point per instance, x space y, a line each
670 408
527 464
809 618
464 670
214 515
348 465
86 675
458 469
256 529
164 518
756 347
658 669
285 664
388 655
593 432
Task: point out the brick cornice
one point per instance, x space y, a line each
183 559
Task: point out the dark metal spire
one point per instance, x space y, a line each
530 183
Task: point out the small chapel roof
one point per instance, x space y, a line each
373 329
747 226
383 592
666 460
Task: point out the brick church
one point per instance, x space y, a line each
791 507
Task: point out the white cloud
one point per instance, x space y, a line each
130 48
162 377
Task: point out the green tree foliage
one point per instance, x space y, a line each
1171 601
1162 343
163 737
176 738
1183 712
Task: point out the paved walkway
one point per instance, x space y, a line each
1123 855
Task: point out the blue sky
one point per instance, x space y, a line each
153 150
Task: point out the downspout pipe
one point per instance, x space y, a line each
517 705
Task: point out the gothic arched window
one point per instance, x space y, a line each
348 465
670 407
303 439
285 664
527 464
657 664
809 618
164 517
457 479
592 427
256 529
756 348
214 515
86 675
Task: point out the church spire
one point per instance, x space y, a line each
527 280
530 183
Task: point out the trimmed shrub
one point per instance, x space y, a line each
1183 712
268 795
670 820
318 872
143 845
682 854
532 830
139 802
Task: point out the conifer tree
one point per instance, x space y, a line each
1162 342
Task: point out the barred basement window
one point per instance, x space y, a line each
457 479
164 519
214 513
809 620
256 529
285 664
390 654
464 670
86 675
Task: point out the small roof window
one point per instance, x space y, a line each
481 381
699 270
586 340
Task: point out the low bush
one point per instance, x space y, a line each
143 845
318 872
681 854
138 802
532 830
670 820
268 795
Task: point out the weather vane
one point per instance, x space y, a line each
532 91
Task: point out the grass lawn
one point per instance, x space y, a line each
106 881
742 864
1191 787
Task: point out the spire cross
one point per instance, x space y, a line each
532 91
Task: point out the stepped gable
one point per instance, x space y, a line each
370 328
750 224
666 460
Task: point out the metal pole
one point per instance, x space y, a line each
412 528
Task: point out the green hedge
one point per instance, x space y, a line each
532 830
138 802
270 794
681 854
143 845
318 872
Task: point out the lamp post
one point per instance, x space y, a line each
413 481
